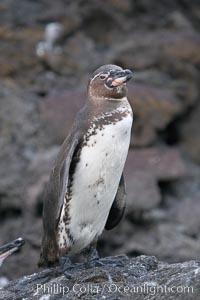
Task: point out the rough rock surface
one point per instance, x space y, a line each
135 278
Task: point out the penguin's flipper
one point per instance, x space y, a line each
57 184
118 207
54 197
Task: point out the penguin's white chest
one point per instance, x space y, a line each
96 181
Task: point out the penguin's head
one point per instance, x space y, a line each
109 82
9 248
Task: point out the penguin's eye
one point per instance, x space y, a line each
103 76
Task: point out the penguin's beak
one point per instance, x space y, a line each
117 78
9 248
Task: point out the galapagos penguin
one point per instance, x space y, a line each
86 189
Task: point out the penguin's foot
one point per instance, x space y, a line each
93 254
90 253
65 262
93 259
109 261
66 265
99 262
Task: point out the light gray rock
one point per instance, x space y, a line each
135 278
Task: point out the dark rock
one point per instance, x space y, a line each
184 195
189 131
144 169
183 214
120 6
137 277
162 239
58 112
72 56
137 51
178 20
142 191
164 164
12 61
15 112
154 108
40 168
